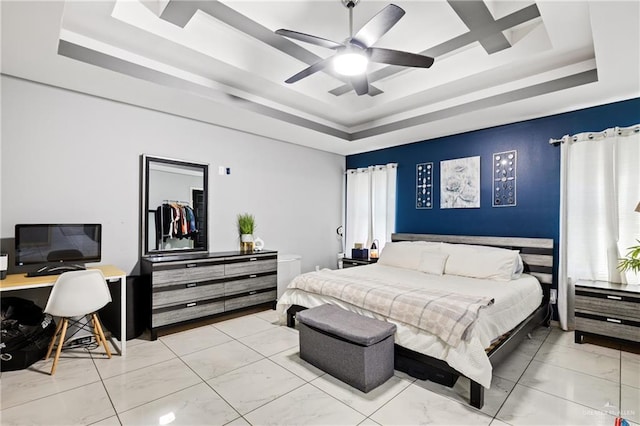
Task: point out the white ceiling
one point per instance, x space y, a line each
220 62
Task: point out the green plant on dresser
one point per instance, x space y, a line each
246 226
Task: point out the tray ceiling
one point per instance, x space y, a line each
220 62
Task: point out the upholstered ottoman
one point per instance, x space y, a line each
355 349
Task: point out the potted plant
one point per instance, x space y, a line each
246 226
631 262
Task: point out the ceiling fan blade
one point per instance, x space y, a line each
318 66
377 26
360 84
398 57
308 38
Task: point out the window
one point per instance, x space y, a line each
371 205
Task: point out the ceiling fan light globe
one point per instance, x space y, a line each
350 63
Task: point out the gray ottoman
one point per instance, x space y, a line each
355 349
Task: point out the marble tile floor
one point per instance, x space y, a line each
246 371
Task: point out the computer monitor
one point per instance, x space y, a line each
47 244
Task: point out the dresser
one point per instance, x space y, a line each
607 309
185 288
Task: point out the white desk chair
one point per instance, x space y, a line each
77 293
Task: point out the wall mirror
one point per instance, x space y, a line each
175 195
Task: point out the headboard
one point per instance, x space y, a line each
536 253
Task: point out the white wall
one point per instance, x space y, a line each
70 157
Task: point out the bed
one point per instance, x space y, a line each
461 303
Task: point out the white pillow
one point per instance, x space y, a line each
518 269
432 262
405 254
484 262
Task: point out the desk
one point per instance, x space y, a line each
111 273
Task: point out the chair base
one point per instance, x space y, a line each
61 332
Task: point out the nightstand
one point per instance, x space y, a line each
349 262
607 309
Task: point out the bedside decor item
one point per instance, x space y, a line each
373 254
359 252
631 262
246 226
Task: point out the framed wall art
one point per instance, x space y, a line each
460 183
505 166
424 186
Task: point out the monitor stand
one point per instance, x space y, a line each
55 270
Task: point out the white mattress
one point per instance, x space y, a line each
514 301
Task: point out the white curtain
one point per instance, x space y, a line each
600 188
371 205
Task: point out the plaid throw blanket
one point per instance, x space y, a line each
449 316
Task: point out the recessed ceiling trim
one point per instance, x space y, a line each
579 79
476 16
516 18
110 62
101 59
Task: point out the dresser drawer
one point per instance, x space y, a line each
183 293
607 327
253 282
187 274
250 300
186 311
251 265
612 305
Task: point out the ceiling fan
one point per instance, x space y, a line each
353 55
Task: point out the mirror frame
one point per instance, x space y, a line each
146 161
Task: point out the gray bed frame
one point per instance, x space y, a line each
538 258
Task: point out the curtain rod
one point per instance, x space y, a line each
620 131
376 167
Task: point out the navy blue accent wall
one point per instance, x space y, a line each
536 213
538 174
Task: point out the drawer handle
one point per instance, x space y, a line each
617 321
191 265
190 285
253 292
252 276
614 297
190 305
253 259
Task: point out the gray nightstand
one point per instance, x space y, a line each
607 309
349 262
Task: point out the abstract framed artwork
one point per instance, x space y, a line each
460 183
505 166
424 186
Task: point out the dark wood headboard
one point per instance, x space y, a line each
536 253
